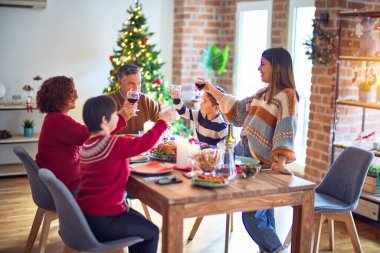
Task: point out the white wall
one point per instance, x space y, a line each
73 38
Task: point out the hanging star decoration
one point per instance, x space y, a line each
321 47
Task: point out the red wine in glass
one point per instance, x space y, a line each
132 100
200 86
132 97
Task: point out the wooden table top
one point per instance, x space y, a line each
264 183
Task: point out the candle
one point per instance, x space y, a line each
182 144
148 125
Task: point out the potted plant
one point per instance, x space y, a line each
371 183
28 125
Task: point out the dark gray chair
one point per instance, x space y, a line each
338 194
41 197
73 227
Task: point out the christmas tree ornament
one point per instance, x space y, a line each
158 81
144 41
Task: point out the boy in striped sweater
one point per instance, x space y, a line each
209 125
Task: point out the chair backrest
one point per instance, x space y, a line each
345 178
41 195
73 227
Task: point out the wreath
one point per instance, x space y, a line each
321 47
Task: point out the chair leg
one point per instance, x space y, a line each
227 236
195 228
331 234
146 211
288 237
319 218
351 228
67 249
38 217
232 221
49 217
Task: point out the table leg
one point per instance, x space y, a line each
303 219
172 230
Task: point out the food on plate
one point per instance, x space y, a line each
207 159
166 149
209 179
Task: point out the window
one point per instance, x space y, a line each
300 29
253 36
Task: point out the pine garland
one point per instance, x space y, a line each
321 47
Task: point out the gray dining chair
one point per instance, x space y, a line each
41 197
338 195
73 227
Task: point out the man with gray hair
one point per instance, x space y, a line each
129 78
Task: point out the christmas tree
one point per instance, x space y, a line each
134 47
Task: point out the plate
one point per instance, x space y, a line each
138 159
161 157
244 159
207 184
151 169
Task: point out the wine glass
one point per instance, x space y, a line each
193 152
132 97
200 84
175 91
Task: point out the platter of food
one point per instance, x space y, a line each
209 181
165 151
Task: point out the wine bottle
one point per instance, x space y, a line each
230 140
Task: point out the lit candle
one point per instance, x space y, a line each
182 145
148 125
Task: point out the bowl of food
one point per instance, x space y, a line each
207 159
249 169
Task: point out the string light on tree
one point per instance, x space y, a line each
134 46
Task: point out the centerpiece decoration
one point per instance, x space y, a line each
366 86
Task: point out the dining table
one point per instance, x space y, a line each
268 189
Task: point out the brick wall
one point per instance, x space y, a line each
323 93
198 23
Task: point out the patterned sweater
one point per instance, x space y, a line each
104 170
269 127
207 131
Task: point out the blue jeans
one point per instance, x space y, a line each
260 224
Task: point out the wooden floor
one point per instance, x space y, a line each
17 211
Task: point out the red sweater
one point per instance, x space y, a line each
105 170
59 144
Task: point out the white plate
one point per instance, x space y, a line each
139 159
